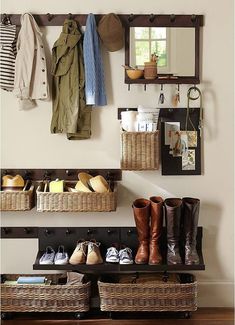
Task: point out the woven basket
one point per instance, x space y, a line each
140 150
148 297
17 200
76 201
48 298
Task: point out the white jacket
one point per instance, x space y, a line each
30 68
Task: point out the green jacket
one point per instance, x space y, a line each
70 113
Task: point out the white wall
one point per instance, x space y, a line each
27 142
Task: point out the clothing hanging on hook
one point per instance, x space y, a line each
7 53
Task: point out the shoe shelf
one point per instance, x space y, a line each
68 237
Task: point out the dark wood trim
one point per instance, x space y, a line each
19 232
138 20
179 80
65 174
197 52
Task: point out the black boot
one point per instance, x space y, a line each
190 220
173 214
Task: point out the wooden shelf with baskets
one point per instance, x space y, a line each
66 201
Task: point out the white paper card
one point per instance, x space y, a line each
170 126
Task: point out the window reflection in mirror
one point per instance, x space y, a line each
175 48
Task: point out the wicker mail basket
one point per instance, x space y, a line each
140 150
148 296
17 200
44 298
76 201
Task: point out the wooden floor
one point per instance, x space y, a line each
204 316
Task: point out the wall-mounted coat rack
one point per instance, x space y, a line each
131 20
66 174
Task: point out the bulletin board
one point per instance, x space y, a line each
172 165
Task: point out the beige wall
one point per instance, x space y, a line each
27 142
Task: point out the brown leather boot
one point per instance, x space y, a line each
173 214
190 220
141 209
155 230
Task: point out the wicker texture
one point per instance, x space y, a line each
48 298
148 297
17 200
140 150
76 201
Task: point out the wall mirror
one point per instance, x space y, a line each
174 39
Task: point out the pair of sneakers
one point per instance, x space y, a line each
86 252
50 257
123 256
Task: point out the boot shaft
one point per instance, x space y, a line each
173 207
141 208
156 218
191 208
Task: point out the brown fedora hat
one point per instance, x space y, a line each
111 32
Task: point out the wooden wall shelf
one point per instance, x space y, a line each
55 236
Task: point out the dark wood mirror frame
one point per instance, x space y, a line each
192 21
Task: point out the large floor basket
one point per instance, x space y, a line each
155 297
44 298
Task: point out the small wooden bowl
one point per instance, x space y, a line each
135 74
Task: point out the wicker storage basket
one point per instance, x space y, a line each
148 296
48 298
76 201
17 200
140 150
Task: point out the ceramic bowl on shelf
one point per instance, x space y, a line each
134 73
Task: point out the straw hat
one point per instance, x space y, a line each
99 184
111 32
83 183
10 182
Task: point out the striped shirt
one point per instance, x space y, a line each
7 55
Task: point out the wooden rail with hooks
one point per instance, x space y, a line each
131 20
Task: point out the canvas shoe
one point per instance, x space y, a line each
112 255
61 257
79 254
48 257
125 256
93 253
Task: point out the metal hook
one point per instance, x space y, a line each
131 18
161 87
129 87
49 16
172 18
70 16
145 87
47 175
193 18
5 17
151 18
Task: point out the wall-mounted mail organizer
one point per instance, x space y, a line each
69 200
180 148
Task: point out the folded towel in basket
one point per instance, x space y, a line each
31 280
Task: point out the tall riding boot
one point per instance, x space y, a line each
155 230
141 209
190 220
173 214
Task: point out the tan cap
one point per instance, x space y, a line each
99 184
111 32
83 183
